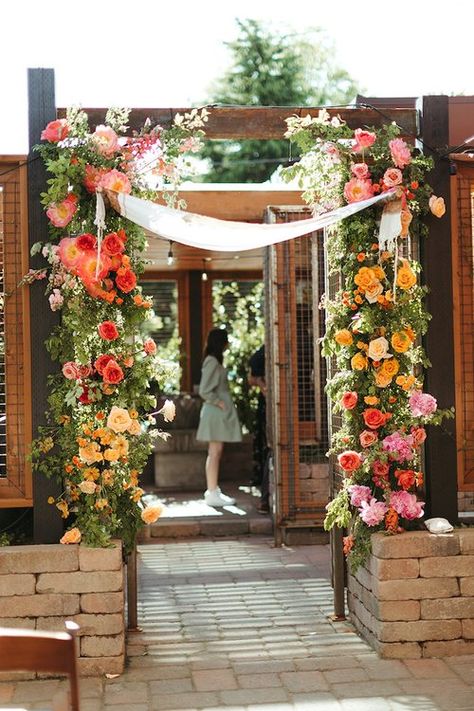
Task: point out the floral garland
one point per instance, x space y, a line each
374 323
99 432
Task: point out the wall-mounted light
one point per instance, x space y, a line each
204 273
170 260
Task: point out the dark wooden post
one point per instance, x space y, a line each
441 485
47 523
195 326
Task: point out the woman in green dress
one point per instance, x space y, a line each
219 421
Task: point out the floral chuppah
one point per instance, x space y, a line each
375 321
99 432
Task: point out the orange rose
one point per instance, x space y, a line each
349 400
126 280
343 337
359 362
349 461
406 277
390 367
367 438
405 478
405 218
374 418
371 400
71 536
364 277
112 373
401 341
391 520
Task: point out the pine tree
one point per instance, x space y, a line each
271 69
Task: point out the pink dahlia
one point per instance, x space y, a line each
406 505
401 154
422 404
372 512
359 494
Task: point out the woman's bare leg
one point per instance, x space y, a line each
214 454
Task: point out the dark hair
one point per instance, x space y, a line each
217 339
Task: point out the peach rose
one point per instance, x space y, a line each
356 190
392 177
87 487
378 349
151 514
71 536
134 428
419 435
363 139
373 291
116 181
349 400
90 453
149 346
405 218
349 460
343 337
106 140
367 438
359 362
118 420
168 411
437 206
400 341
406 277
374 418
71 370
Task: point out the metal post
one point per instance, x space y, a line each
132 597
337 559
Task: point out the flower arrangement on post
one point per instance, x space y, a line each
100 426
374 322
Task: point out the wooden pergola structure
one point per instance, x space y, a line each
429 121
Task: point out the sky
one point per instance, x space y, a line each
167 54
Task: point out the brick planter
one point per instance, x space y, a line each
415 597
42 586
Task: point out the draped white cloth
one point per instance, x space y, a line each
223 235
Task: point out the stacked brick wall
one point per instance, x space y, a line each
415 597
42 586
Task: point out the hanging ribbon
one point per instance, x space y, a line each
99 222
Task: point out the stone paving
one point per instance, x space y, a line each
237 625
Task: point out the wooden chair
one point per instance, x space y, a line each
31 650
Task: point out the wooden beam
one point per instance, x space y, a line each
48 526
436 259
260 122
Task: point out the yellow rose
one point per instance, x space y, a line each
378 348
135 428
371 400
437 206
405 381
101 504
364 277
401 342
381 379
378 272
390 367
406 277
133 414
343 337
63 507
359 362
71 536
373 291
118 420
151 514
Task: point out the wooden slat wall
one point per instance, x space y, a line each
16 487
463 287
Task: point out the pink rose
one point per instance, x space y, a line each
55 131
356 190
360 170
85 371
392 177
363 139
372 512
367 438
71 370
422 404
56 300
106 140
349 400
401 154
117 181
349 460
60 214
359 494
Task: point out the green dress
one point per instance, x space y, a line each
217 425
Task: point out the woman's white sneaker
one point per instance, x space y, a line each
217 498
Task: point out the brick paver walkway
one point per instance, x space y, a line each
237 625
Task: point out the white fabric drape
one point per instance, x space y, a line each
222 235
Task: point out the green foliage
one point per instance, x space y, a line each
240 310
272 68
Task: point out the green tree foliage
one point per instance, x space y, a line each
272 69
